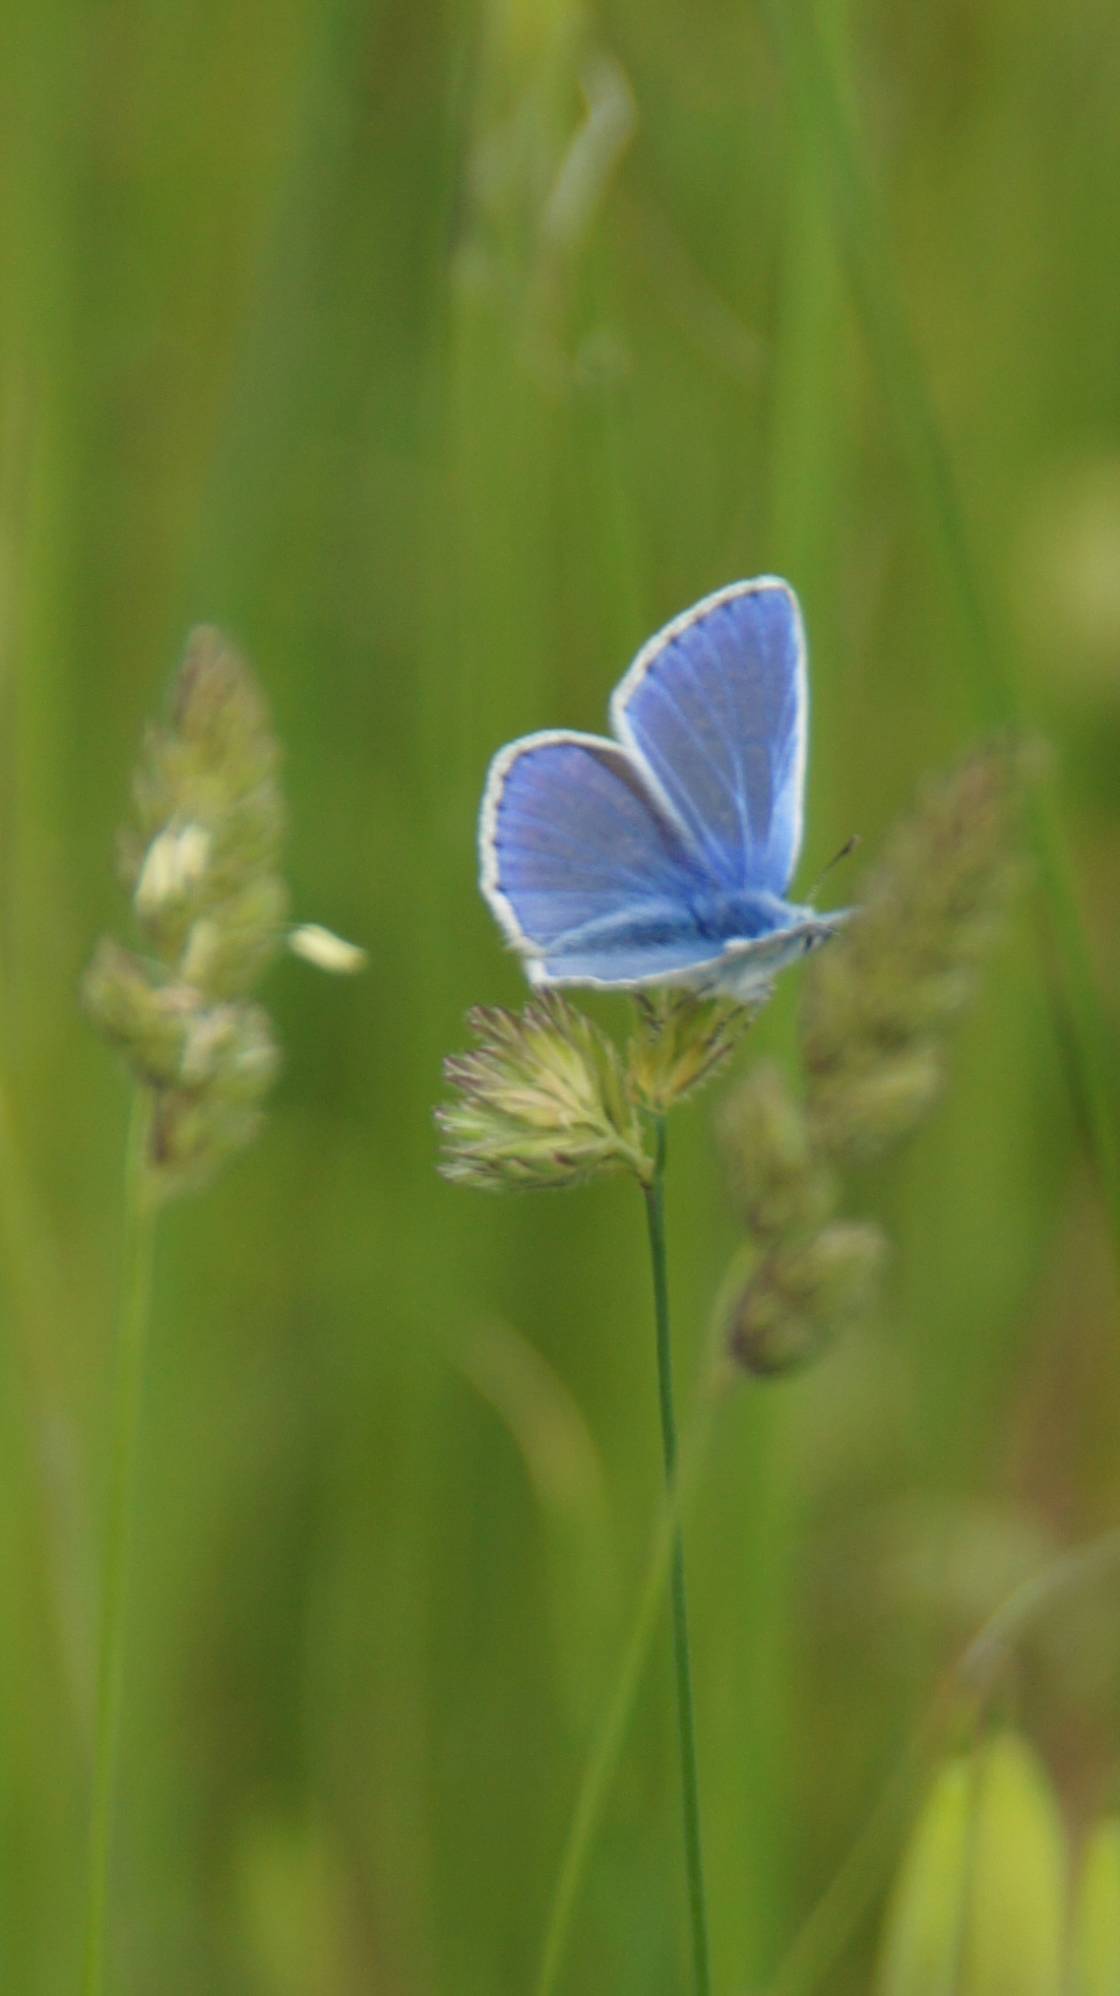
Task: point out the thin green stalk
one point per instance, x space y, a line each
124 1441
682 1651
607 1746
830 137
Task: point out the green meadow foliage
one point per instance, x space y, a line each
436 356
991 1897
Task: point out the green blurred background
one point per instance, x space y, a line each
440 353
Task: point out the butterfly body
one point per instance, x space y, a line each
664 856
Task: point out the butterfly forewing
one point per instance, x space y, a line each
714 707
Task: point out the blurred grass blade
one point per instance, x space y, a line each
1016 1889
847 1899
1095 1941
922 1944
979 1908
829 136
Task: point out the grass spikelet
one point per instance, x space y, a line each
680 1043
879 1004
541 1102
201 860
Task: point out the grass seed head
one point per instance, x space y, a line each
880 1004
802 1292
201 860
680 1042
540 1101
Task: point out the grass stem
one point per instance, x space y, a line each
124 1450
682 1649
665 1569
607 1745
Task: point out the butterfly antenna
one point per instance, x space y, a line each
847 849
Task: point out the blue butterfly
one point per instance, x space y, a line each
665 856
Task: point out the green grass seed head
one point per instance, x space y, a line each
880 1003
801 1293
201 861
680 1042
540 1101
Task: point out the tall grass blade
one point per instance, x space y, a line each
829 135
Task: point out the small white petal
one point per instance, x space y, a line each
192 854
157 875
326 950
174 862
